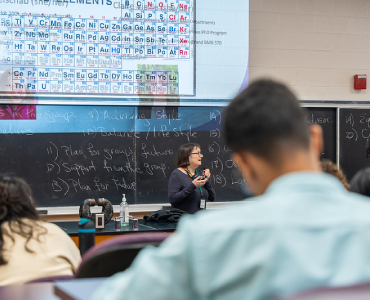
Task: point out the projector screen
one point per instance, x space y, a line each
94 51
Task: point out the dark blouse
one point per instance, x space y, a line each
183 194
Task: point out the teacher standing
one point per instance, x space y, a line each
188 187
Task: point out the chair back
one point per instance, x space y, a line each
116 254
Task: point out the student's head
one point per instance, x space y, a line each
15 207
267 130
185 154
360 183
331 168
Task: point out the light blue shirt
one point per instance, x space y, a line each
306 231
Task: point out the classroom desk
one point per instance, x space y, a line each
71 228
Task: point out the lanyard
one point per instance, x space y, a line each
196 176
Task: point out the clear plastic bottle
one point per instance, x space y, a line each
124 211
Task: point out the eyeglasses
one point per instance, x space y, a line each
199 153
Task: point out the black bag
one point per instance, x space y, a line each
165 215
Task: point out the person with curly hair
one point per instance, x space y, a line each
331 168
30 248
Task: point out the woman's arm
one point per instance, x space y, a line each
211 191
176 193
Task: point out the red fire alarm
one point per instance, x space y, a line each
360 81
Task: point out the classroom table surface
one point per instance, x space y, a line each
71 228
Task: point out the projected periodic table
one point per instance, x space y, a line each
127 47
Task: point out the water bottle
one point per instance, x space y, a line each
86 235
124 211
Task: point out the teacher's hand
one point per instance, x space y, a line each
207 173
198 182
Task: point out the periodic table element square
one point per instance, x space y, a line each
162 89
56 35
56 74
18 21
150 51
68 48
56 86
80 36
139 15
172 5
161 5
128 76
104 49
173 77
18 34
19 85
173 89
104 61
115 38
115 25
30 21
127 15
173 52
116 88
43 86
184 17
150 27
150 77
92 25
127 27
184 41
56 47
172 40
139 27
149 16
31 73
150 39
128 88
31 46
184 29
161 39
6 58
150 88
104 87
162 77
43 34
103 37
128 51
56 60
80 74
56 23
31 86
173 28
139 88
68 23
31 34
139 39
172 17
92 75
92 37
80 24
115 50
68 74
127 38
19 46
162 28
80 60
115 75
184 6
139 4
104 25
161 16
80 87
6 34
43 22
92 49
116 62
68 35
43 47
161 51
19 59
18 73
30 59
43 74
92 61
92 87
81 48
139 76
139 51
68 86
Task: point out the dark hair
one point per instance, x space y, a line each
182 159
264 117
360 183
15 207
331 168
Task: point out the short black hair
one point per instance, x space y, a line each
263 117
182 159
360 183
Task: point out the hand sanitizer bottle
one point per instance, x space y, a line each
124 212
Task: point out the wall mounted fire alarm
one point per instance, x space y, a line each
360 82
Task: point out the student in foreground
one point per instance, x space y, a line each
29 247
302 231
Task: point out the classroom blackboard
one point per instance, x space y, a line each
354 130
71 153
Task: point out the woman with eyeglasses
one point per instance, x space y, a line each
189 187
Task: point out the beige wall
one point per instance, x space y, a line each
315 46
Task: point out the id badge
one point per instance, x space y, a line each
202 203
